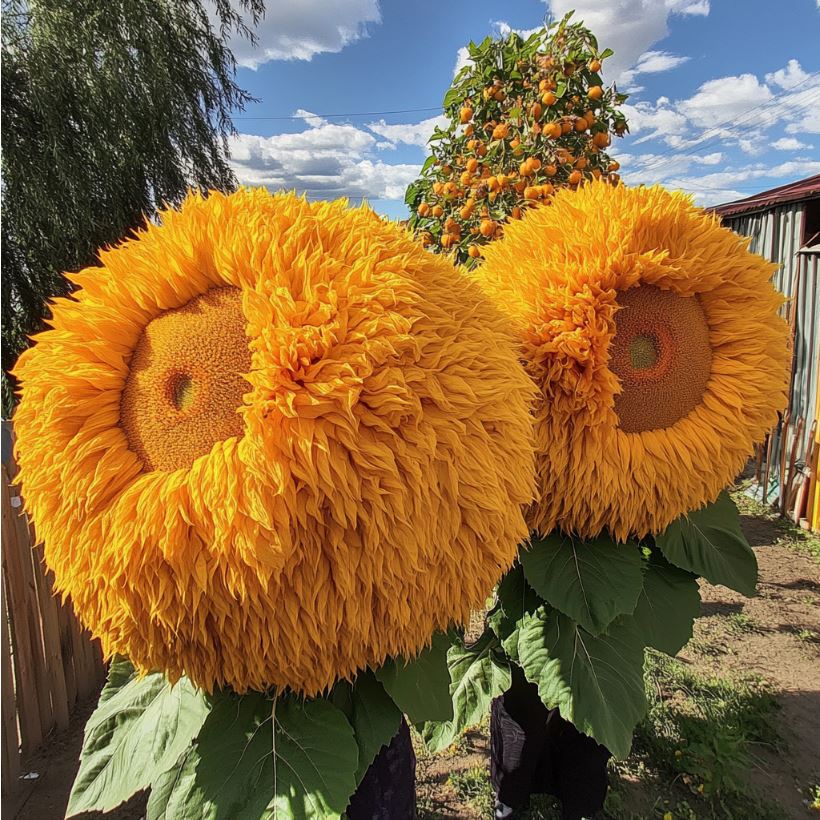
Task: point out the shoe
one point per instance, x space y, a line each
502 811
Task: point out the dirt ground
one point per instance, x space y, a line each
775 635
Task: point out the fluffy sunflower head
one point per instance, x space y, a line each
653 337
270 442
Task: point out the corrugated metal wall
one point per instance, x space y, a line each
776 235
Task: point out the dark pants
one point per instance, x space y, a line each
388 789
535 751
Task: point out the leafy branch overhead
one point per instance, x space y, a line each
525 117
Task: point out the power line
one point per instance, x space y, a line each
309 116
739 119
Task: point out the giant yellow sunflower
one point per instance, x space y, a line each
269 442
653 336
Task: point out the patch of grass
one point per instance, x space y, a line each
740 624
473 786
698 739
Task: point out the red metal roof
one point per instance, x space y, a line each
802 189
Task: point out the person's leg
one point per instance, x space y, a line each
517 736
579 768
388 789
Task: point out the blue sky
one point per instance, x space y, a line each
724 95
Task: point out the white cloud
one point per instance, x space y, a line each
788 77
463 58
713 188
416 133
325 161
740 111
790 143
650 62
628 27
722 99
299 30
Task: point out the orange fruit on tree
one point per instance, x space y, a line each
552 130
438 211
595 65
601 139
575 177
532 192
500 131
548 98
550 170
614 166
466 114
447 240
472 165
424 209
535 111
474 251
487 227
581 124
595 92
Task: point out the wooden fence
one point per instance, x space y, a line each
48 661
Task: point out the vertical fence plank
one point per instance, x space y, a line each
51 641
23 653
11 738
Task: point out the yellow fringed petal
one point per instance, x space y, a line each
632 431
360 488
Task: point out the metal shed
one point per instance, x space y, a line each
784 226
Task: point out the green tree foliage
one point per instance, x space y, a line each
109 108
524 117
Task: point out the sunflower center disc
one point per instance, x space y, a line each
185 381
662 356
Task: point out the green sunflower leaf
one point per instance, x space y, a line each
257 757
667 606
590 581
709 542
139 729
595 681
374 716
421 688
514 597
478 673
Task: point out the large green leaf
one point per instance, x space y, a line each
514 597
590 581
374 716
478 673
140 728
259 757
595 681
709 542
667 606
421 688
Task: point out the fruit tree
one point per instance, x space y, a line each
525 117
